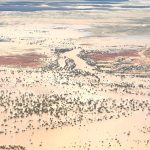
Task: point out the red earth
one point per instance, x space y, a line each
107 56
26 60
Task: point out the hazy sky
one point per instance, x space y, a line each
41 5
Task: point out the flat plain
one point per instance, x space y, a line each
75 76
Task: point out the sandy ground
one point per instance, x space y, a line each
55 100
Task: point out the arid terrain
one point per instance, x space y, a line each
75 80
